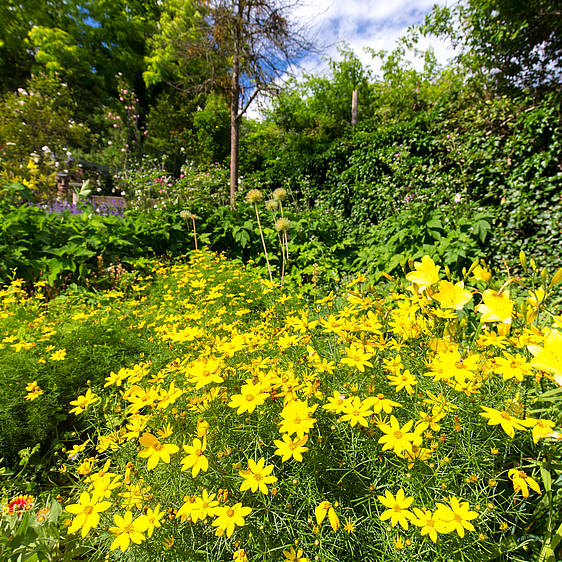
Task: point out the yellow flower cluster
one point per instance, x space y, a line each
254 389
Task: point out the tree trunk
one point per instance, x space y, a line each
234 107
234 138
354 104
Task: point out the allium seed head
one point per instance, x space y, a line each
271 205
254 196
280 194
283 224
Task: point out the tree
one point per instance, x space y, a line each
98 40
239 47
518 41
17 18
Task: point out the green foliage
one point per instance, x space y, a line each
518 42
84 247
34 534
453 238
96 345
16 20
40 115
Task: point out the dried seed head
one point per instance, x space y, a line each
280 194
282 224
271 205
254 196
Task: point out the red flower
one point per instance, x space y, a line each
20 503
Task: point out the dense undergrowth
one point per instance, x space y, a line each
203 413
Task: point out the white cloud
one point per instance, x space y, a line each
377 24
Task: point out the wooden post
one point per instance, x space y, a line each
354 103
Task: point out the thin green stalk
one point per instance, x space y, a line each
194 232
263 242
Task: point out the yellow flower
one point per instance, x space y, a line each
155 450
397 438
186 511
33 391
251 396
511 366
86 466
257 476
205 370
509 423
293 555
403 381
83 401
126 530
430 525
202 428
480 273
541 428
357 356
240 556
397 508
86 513
297 418
290 448
228 518
549 357
458 515
153 517
349 525
135 494
381 404
452 296
203 506
58 355
77 449
31 386
399 543
496 307
168 542
195 460
326 508
522 482
335 402
426 273
356 412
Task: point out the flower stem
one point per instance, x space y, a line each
263 242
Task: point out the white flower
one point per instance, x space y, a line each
457 198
